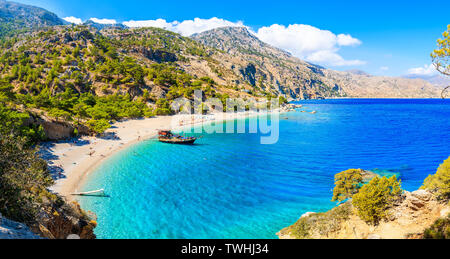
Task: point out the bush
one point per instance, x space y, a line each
98 126
283 100
163 107
321 223
439 183
374 198
439 230
347 184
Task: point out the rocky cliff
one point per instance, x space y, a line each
65 221
54 224
408 218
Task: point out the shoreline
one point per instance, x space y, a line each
72 161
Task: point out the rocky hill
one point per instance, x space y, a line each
277 71
114 60
235 59
15 16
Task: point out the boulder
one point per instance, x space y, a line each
422 195
415 201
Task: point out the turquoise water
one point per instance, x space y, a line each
230 186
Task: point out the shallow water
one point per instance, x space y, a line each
231 186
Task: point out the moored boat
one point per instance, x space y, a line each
166 136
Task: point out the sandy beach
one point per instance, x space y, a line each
71 161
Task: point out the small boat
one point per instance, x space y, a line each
100 192
166 136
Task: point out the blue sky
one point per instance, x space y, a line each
383 37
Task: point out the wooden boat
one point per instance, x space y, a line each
166 136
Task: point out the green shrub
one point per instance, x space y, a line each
374 198
98 126
163 107
439 230
439 183
283 100
347 184
321 223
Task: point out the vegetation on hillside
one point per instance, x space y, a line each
439 183
439 230
23 179
79 75
18 18
322 223
74 74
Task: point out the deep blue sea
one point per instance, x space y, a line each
231 186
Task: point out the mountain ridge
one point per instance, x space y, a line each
303 80
16 16
436 79
238 60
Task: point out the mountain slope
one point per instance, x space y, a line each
269 68
285 74
15 16
437 80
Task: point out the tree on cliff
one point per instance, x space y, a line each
347 184
374 198
439 183
441 56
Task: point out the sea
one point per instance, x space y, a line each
230 186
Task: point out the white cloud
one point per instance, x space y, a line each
310 43
347 40
426 70
198 25
303 41
330 57
72 19
187 27
384 68
103 21
158 23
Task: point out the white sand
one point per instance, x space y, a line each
72 162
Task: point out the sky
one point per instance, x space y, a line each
392 38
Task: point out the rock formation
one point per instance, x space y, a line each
12 230
60 223
408 218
